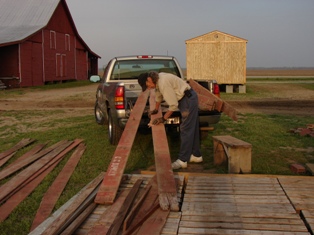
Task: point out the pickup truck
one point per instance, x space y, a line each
119 89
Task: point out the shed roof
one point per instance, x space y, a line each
207 37
20 19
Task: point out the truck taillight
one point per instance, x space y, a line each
216 90
119 97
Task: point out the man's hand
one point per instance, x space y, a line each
158 120
150 113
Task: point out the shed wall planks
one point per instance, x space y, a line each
217 56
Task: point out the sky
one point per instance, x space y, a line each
280 33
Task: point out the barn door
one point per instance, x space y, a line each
61 65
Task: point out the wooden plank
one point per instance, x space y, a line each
208 101
103 224
146 207
53 193
217 231
118 221
19 145
68 205
30 184
134 227
7 158
58 223
155 223
248 220
203 207
128 220
172 223
18 197
9 187
79 220
241 225
109 187
26 161
167 188
21 162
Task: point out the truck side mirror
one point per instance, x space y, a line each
94 78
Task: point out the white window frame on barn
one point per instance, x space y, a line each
53 41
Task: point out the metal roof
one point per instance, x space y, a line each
22 18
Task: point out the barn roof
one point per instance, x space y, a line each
20 19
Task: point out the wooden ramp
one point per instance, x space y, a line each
238 205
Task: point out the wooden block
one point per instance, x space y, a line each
297 168
235 151
242 88
229 88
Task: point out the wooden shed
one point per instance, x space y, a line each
216 55
40 44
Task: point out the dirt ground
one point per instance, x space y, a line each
273 98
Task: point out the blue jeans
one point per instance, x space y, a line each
189 128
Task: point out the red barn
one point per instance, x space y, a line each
39 44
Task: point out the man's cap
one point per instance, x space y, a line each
142 80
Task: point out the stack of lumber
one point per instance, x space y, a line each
136 210
24 174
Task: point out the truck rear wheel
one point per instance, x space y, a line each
114 130
101 118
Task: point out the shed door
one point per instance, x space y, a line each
37 65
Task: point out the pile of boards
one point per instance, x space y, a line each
136 210
29 170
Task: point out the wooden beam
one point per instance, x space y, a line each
110 185
118 221
21 161
9 187
155 223
19 145
167 188
146 206
103 224
21 192
56 226
208 101
79 220
7 158
53 193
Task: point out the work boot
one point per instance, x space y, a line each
196 159
179 164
